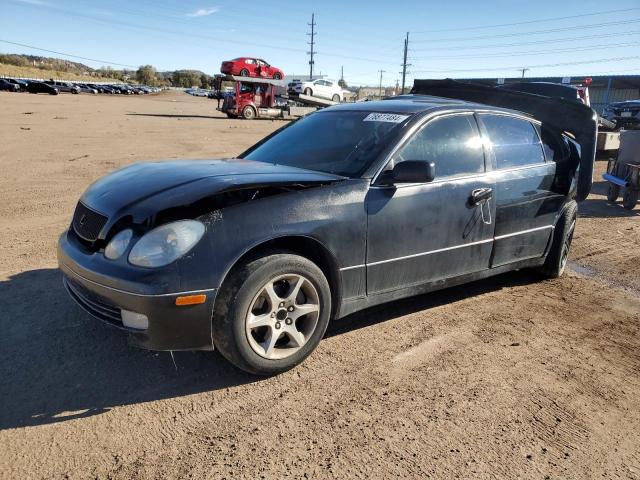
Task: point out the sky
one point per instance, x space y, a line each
456 39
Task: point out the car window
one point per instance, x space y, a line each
452 142
329 84
249 61
515 142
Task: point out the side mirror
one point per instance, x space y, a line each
413 171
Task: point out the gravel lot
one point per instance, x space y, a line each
510 377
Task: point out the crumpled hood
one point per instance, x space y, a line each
144 189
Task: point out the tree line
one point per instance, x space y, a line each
145 74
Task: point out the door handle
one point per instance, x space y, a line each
480 195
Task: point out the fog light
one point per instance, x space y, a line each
134 320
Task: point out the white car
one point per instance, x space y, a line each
322 88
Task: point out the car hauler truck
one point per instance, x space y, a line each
258 98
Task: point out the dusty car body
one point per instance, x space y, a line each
291 239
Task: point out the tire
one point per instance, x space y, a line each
308 91
336 98
251 348
613 193
630 198
556 261
244 72
277 76
248 113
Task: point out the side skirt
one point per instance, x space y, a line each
353 305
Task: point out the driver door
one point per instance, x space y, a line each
427 232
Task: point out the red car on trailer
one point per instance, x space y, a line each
251 67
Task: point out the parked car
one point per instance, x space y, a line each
624 114
251 67
63 86
352 206
322 88
6 85
197 92
22 84
86 88
41 87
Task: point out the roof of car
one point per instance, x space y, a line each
410 104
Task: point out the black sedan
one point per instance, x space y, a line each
8 86
41 87
350 207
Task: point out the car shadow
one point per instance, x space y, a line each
169 115
57 363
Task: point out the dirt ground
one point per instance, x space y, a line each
511 377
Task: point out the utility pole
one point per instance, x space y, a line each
524 70
380 89
397 85
404 61
312 43
341 83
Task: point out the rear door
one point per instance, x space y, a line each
423 233
526 206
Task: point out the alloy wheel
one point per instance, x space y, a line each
282 316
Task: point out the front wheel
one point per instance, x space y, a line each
336 98
248 113
277 76
558 254
630 198
244 72
613 192
271 313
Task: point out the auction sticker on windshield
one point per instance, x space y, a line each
385 117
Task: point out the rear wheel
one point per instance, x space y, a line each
271 313
558 255
630 198
248 113
244 72
336 98
613 193
308 91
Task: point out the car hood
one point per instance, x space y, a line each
144 189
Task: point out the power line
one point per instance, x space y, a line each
69 55
534 32
532 52
527 22
519 68
520 44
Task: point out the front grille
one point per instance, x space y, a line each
87 224
93 304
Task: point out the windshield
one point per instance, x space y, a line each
339 142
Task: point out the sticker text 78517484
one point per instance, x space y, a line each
385 117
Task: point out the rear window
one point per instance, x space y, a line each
515 142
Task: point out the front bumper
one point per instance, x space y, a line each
170 327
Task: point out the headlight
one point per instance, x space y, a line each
167 243
118 244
